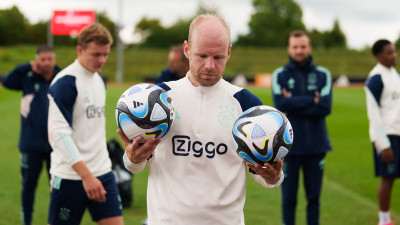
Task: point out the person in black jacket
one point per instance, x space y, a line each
33 79
178 65
303 91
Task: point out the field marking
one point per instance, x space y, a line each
357 197
353 195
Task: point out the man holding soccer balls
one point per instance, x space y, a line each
383 106
195 175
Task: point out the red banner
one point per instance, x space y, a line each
71 22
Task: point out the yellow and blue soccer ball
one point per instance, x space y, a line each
262 134
144 110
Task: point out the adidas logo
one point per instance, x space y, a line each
136 104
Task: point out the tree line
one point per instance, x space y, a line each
16 29
269 26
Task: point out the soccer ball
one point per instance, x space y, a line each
262 134
144 110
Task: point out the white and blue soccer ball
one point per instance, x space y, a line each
144 110
262 134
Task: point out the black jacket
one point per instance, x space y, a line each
306 117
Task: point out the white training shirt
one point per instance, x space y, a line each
383 104
76 122
195 175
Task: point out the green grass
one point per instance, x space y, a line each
349 188
141 63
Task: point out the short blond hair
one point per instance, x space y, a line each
96 33
200 19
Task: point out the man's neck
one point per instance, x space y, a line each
48 76
386 65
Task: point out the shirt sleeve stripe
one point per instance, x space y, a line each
72 150
328 85
276 87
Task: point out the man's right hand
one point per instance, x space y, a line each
316 97
94 189
35 67
286 93
136 153
387 155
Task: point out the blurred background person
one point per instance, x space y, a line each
178 65
33 79
383 107
303 91
81 175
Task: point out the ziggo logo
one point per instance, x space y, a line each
182 146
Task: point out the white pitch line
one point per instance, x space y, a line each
351 194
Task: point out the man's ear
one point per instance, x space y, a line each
186 49
79 49
229 51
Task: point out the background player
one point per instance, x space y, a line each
178 65
80 167
33 79
304 92
383 106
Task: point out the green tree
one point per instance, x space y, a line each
12 27
37 33
317 38
148 28
15 29
272 22
335 37
155 35
109 24
397 43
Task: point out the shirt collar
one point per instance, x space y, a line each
202 90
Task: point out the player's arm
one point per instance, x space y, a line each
321 108
318 104
137 156
292 104
283 99
13 79
62 95
322 96
93 186
269 176
373 89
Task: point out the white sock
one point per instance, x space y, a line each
384 217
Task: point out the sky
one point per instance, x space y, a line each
362 21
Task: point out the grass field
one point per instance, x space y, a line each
349 189
146 63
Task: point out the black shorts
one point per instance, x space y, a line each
69 201
383 169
